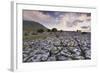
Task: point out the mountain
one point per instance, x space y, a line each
32 26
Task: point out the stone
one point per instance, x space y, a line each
63 58
52 58
68 46
54 50
88 54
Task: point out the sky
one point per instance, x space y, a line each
67 21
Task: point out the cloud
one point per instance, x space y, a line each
74 21
38 16
70 21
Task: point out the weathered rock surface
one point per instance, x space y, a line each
65 47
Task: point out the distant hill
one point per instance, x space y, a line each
32 26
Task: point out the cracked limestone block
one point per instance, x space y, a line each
27 52
62 58
43 53
28 59
25 56
56 42
88 54
65 52
36 58
77 57
71 43
51 58
77 51
85 48
44 56
54 50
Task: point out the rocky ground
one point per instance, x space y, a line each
60 46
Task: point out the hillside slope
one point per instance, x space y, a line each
32 26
